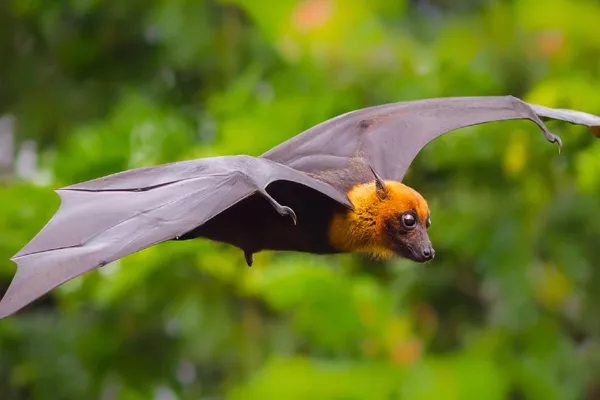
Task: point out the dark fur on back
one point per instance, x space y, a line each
253 225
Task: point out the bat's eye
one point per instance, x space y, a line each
409 221
428 222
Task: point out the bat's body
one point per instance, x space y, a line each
323 226
334 188
253 225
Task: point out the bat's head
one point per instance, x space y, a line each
404 220
389 219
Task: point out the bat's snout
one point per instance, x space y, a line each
416 247
423 252
421 248
428 253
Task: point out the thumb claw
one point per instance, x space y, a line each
291 213
282 210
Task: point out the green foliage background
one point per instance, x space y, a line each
509 309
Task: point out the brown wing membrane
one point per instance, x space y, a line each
571 116
102 220
388 137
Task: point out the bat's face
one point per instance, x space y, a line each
406 219
407 236
392 220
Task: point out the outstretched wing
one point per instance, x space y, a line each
105 219
388 137
571 116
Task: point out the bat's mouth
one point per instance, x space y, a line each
423 258
420 253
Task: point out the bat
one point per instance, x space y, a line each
334 188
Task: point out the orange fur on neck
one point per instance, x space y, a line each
362 230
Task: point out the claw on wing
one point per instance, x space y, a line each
291 213
556 139
571 116
282 210
551 137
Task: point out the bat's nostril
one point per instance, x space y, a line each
429 253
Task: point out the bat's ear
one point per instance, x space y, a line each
380 188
